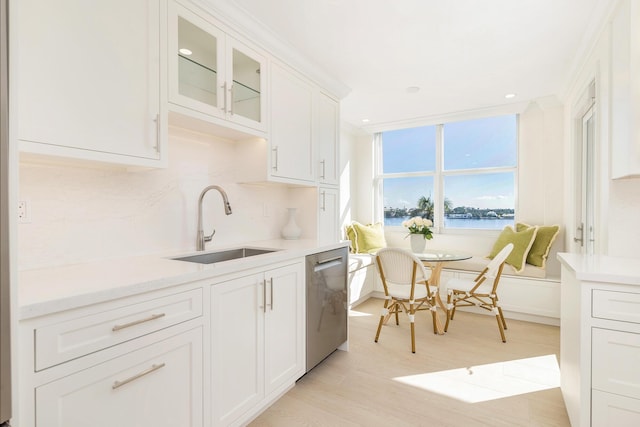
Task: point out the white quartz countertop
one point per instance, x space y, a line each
602 268
48 290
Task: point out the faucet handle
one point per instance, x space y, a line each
210 237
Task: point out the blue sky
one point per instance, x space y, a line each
481 143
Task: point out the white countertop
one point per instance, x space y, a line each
602 268
48 290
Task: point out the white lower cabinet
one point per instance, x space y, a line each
200 354
600 343
130 362
158 385
608 406
257 341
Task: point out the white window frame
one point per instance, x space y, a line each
438 181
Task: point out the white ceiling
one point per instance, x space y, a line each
462 54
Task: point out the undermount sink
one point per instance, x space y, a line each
226 255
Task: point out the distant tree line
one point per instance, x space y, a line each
424 209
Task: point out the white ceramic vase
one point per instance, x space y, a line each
291 231
418 243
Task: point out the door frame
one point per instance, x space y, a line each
586 194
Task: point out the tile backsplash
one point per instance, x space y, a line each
82 213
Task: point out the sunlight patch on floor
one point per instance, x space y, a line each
354 313
492 381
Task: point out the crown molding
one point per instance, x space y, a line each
512 108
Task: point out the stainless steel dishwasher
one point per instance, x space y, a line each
327 308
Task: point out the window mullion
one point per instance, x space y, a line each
378 214
438 197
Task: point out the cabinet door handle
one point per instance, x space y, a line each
224 95
264 296
275 162
137 322
323 163
153 368
324 201
271 283
580 239
157 120
231 99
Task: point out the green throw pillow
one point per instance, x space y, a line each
522 242
369 238
542 244
351 235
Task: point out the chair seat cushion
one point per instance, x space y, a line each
403 291
467 284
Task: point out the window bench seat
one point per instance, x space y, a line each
530 295
477 263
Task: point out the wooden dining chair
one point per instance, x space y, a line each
479 292
406 288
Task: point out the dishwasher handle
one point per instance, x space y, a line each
328 263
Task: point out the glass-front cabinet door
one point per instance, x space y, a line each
246 88
212 74
197 64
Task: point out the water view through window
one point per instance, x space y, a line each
471 185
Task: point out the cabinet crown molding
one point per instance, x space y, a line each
248 26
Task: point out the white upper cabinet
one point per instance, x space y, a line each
213 77
88 81
326 133
302 144
291 138
625 91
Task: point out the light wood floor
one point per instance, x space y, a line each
357 388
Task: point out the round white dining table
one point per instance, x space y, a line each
435 260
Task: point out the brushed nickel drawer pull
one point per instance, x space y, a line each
153 368
137 322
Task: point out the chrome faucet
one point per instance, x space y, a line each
201 238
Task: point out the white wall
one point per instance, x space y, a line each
82 213
356 177
540 163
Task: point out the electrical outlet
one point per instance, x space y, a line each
24 212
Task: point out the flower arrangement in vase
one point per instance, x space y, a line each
420 232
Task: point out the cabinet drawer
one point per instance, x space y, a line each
613 410
158 385
624 306
613 353
76 337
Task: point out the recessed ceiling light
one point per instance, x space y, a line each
413 89
510 95
185 51
365 120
